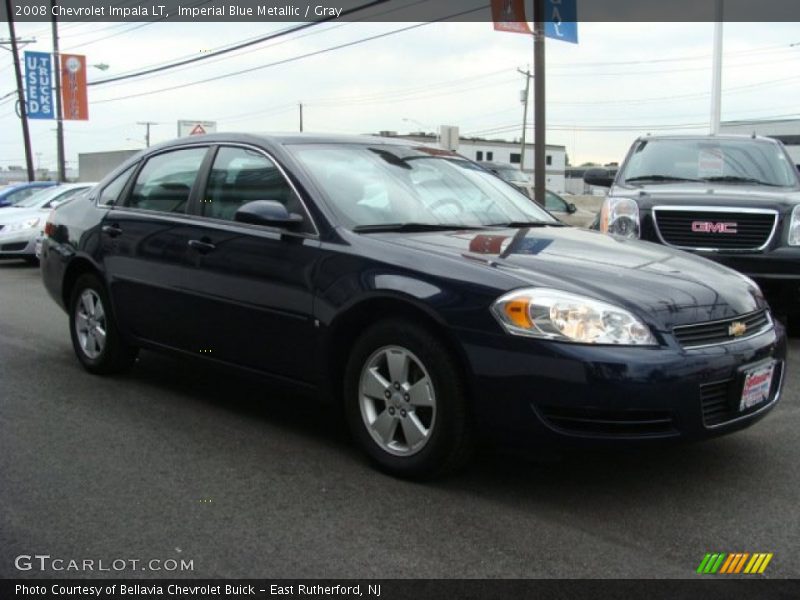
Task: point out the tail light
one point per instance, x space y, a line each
50 227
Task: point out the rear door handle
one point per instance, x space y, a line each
112 230
201 246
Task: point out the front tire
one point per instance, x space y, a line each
95 336
406 402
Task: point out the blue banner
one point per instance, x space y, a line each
561 20
39 85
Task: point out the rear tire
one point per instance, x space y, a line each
406 402
95 336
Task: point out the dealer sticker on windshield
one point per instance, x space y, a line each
757 383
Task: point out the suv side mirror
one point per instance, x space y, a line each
571 208
598 176
266 212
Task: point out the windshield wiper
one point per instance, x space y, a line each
512 224
739 179
411 227
659 178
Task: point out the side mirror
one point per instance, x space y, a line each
266 212
571 208
598 176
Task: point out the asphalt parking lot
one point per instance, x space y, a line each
178 461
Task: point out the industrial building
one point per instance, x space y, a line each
784 130
480 150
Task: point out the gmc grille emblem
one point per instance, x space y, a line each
712 227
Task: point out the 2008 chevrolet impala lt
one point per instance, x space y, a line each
435 302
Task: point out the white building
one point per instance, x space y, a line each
785 130
481 150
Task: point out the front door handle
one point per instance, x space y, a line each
201 246
112 230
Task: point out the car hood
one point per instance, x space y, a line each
695 194
663 286
12 214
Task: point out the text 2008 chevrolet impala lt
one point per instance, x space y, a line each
428 297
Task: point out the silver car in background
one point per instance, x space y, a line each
21 225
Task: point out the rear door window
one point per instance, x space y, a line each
110 194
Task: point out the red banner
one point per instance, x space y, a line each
509 15
74 101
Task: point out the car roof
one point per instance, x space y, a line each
289 138
720 136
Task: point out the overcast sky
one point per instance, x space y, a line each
622 80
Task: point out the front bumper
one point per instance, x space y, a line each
529 391
19 244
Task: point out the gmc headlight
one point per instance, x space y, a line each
22 225
794 227
556 315
620 216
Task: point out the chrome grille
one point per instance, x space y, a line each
749 229
710 333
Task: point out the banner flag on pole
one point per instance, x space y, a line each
74 100
509 15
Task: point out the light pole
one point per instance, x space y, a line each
147 125
716 71
23 113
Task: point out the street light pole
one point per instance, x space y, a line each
528 77
23 113
539 125
61 167
716 71
147 125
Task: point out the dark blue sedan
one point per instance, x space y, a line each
429 299
18 192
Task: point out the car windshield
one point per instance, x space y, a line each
55 194
746 160
373 185
513 175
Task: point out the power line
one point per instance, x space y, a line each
286 60
285 29
133 28
237 46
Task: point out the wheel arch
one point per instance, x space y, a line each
345 329
80 265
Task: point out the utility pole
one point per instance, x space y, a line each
147 125
301 115
23 112
539 140
61 166
528 78
716 70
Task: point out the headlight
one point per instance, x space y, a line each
22 225
620 216
556 315
794 227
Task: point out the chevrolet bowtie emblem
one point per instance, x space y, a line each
737 328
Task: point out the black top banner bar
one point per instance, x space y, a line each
401 11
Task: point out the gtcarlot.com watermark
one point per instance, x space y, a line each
47 563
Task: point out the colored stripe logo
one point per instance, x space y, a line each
734 563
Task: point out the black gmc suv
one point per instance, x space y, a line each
733 199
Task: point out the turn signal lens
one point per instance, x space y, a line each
518 313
